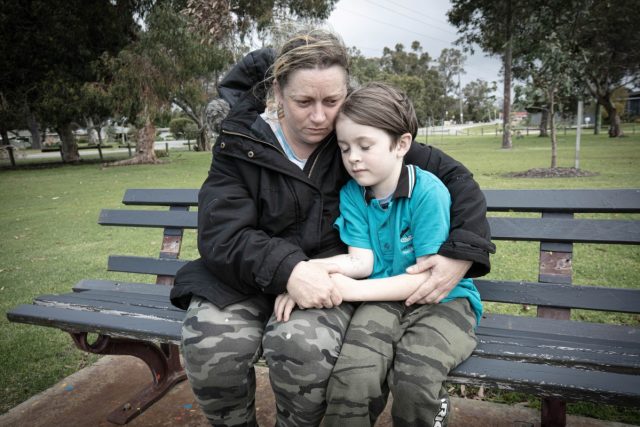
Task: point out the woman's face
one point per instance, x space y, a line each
311 100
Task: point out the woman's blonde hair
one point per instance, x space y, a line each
316 48
382 106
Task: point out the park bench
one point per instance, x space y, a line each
549 356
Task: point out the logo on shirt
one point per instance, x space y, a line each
406 238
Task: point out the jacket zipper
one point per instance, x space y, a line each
313 165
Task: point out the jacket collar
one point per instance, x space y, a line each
404 188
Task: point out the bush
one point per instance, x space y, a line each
178 126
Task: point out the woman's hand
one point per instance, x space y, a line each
445 275
283 307
311 287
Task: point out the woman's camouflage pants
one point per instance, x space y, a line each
220 347
407 350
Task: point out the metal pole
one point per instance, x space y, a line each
460 94
578 134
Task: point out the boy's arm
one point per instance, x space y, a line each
357 264
395 288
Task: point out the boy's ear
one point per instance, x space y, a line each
404 143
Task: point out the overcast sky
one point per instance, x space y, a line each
370 25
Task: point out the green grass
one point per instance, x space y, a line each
51 240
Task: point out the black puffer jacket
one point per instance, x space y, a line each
259 214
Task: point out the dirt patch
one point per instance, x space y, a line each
551 173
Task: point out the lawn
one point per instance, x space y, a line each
51 239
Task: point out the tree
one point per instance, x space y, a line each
48 50
479 99
450 65
606 47
191 68
552 72
362 69
410 71
533 100
167 65
492 24
222 20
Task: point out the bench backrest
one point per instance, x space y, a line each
557 229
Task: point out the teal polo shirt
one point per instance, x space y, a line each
414 223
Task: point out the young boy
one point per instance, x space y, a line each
391 215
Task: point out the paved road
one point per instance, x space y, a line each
159 145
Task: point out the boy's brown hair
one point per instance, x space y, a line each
382 106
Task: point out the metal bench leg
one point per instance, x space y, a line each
162 360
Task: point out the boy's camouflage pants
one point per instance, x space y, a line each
407 350
220 347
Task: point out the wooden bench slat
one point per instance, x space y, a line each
587 201
560 295
160 302
156 330
565 230
110 285
161 197
551 381
142 218
145 265
566 330
551 352
96 303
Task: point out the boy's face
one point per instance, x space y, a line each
368 157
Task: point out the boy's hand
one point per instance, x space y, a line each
283 307
445 275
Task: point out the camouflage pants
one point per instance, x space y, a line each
406 350
220 347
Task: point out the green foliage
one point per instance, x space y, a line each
479 100
490 24
49 47
223 20
167 65
178 126
411 71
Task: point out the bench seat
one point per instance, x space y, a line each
539 351
547 357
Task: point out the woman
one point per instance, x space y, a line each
266 208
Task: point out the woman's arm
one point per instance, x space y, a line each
469 237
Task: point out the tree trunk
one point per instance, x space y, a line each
615 128
552 126
145 153
203 139
597 120
70 152
506 106
32 124
544 123
145 143
5 136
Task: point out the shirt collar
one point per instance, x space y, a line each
404 188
